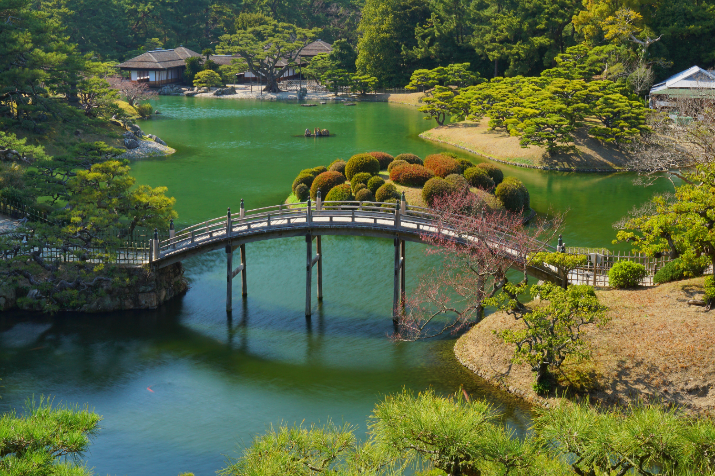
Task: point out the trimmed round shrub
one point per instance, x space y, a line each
319 170
676 270
302 192
384 158
626 274
479 178
410 159
457 181
494 172
312 172
390 203
442 165
338 165
305 179
375 183
465 164
710 288
396 163
362 163
358 187
513 195
411 175
340 193
364 195
386 192
435 187
325 182
362 177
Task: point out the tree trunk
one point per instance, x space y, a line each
271 85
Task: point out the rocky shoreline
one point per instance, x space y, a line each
246 92
141 146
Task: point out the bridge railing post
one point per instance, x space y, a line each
403 204
397 215
172 234
308 213
155 245
319 202
242 211
229 224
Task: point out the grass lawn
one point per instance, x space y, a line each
655 346
500 146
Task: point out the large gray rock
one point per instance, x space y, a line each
159 141
128 135
131 144
190 93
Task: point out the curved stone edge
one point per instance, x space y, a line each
147 149
424 136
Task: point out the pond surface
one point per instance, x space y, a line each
183 387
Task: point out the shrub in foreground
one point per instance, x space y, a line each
396 163
410 159
362 163
361 178
340 193
384 158
465 164
375 183
304 179
325 182
358 187
145 110
319 170
434 188
411 175
386 192
338 165
365 195
626 274
302 192
479 178
442 165
494 172
513 195
674 271
710 289
458 182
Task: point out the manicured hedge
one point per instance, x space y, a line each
362 163
302 192
375 183
465 164
396 163
436 187
325 182
626 274
676 270
410 159
390 203
319 170
411 175
362 177
494 172
312 172
384 158
513 195
338 165
442 165
479 178
358 187
365 195
457 181
339 193
386 192
305 179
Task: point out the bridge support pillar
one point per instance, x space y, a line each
310 262
398 298
231 273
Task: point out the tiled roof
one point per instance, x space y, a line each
692 78
315 48
160 59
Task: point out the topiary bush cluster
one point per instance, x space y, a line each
396 163
434 188
365 195
387 192
410 159
411 175
375 183
360 178
383 158
442 165
513 195
479 178
325 182
302 192
338 165
362 163
626 274
676 270
465 164
493 171
303 179
458 182
340 193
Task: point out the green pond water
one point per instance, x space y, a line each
183 387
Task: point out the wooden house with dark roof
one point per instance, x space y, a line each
159 67
308 52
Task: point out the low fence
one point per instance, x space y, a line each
601 260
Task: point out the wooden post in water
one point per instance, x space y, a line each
244 284
402 271
229 278
319 251
308 274
397 292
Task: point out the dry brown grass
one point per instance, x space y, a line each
656 346
411 99
500 146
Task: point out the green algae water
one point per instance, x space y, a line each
184 387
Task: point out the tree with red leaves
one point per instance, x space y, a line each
477 246
131 91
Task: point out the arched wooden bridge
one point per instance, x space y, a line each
311 220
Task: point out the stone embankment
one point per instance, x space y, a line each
140 145
148 290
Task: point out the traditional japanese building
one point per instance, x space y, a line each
159 67
693 83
